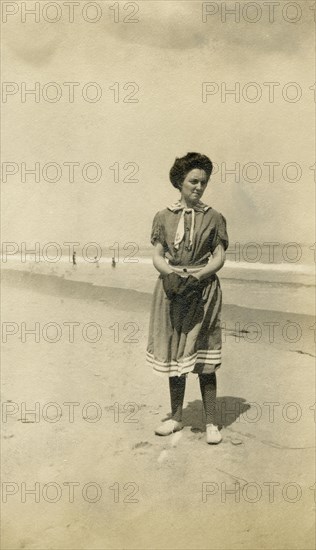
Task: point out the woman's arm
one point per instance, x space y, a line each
159 260
214 264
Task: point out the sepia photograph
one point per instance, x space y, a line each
158 275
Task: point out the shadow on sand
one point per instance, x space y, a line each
228 409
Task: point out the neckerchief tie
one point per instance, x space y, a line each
199 207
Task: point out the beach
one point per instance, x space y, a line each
100 477
129 124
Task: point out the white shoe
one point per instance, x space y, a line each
213 435
169 427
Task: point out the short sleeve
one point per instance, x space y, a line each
221 236
157 231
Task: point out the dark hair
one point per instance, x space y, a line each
185 164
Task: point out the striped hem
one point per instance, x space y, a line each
186 365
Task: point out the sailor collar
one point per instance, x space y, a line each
177 206
198 207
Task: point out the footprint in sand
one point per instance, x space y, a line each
236 441
141 445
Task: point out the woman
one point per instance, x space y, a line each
190 240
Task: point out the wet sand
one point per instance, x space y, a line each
132 489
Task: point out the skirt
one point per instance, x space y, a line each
185 336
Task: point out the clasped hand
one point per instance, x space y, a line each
175 285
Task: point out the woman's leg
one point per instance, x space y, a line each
177 389
208 392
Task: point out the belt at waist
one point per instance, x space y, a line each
186 270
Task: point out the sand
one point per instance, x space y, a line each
135 490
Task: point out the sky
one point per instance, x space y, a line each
167 54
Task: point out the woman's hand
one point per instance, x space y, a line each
172 283
185 287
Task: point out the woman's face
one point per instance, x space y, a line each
194 185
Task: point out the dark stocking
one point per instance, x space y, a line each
208 392
177 389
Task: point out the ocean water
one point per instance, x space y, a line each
284 286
